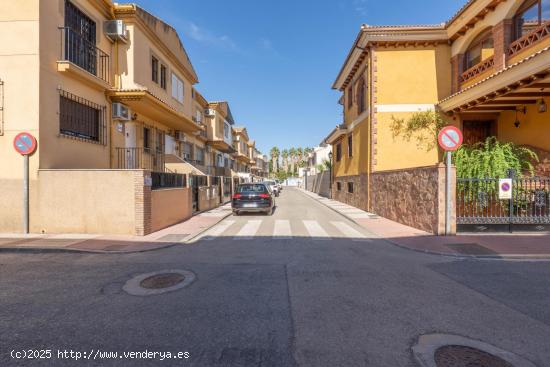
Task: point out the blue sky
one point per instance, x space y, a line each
275 61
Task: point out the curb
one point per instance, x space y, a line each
430 252
191 239
43 250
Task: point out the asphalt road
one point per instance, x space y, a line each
299 288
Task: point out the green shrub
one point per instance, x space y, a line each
493 159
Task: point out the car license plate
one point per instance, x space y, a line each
249 205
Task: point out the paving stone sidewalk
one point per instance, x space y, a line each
507 246
174 235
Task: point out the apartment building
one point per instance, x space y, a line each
485 70
123 136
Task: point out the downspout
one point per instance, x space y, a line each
369 123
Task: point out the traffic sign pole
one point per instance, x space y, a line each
448 204
26 193
450 139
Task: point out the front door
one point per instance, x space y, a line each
476 131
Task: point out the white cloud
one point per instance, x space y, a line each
202 35
361 7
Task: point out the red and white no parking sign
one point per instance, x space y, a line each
450 138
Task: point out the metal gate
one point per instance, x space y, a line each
479 208
195 182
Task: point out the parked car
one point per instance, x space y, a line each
252 197
273 187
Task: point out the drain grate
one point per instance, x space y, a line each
463 356
160 281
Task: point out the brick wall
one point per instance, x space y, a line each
502 37
358 198
142 195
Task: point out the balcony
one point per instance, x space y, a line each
83 59
477 70
536 36
139 158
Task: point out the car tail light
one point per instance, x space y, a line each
237 196
264 196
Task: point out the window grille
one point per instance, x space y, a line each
81 119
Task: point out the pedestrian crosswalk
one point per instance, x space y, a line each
282 229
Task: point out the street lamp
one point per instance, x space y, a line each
330 174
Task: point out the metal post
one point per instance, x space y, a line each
448 203
26 194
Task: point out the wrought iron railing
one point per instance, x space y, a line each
139 158
531 38
164 180
478 202
478 69
83 53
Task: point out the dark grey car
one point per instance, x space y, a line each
252 197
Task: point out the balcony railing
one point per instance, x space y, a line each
140 158
531 38
164 180
478 69
83 53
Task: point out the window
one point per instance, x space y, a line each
530 15
227 130
154 69
187 151
160 142
163 77
81 118
361 92
338 152
350 145
338 186
480 49
350 187
80 38
146 138
350 97
177 88
199 155
219 160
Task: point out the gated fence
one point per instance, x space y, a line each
479 208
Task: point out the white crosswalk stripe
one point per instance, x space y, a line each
349 232
248 231
218 230
315 230
282 229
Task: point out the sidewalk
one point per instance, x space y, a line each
177 234
499 246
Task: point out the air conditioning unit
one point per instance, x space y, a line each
179 135
121 112
115 30
210 112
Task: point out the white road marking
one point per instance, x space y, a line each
349 232
248 230
315 230
218 229
282 229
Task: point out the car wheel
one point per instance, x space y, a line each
235 212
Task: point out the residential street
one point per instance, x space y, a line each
304 287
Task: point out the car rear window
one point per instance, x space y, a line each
251 188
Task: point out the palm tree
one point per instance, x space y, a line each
300 156
284 154
274 152
292 154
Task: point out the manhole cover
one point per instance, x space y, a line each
158 282
162 281
463 356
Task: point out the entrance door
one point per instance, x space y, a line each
194 191
476 131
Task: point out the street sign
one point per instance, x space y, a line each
505 189
450 138
24 143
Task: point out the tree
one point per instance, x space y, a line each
274 152
292 154
284 154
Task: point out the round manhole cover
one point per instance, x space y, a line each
160 281
463 356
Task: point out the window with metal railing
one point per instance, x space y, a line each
81 119
165 180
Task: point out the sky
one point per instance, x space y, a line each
274 61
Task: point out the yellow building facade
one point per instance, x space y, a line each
484 70
108 91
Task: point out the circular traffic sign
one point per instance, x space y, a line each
450 138
505 187
24 143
